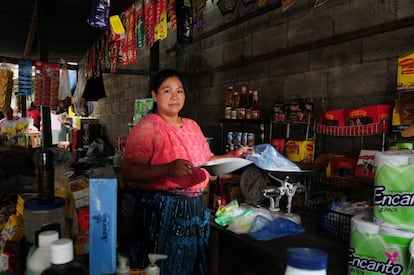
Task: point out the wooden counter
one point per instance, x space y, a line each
240 254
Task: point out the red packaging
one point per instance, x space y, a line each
368 114
334 117
83 219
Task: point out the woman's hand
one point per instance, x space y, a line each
179 168
241 151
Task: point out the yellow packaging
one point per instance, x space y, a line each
405 72
117 27
300 151
13 229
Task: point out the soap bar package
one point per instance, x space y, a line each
102 221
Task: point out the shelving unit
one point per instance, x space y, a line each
256 126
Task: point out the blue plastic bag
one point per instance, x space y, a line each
263 229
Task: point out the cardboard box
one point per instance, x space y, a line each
368 114
103 187
365 164
334 117
405 72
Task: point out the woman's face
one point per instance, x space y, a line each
170 96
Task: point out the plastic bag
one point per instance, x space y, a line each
264 229
266 157
243 222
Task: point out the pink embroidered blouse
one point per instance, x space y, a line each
153 141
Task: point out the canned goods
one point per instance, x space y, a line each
244 139
227 112
239 138
229 137
250 139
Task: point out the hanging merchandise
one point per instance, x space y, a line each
184 21
198 11
172 15
46 84
99 14
287 4
25 77
226 6
64 83
319 3
161 20
129 53
6 87
149 22
114 47
139 24
80 87
117 28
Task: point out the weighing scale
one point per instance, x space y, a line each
257 185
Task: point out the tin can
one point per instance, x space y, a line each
239 136
244 139
229 137
250 139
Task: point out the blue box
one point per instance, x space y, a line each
102 221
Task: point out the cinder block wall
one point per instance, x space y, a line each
341 55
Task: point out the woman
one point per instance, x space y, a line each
160 154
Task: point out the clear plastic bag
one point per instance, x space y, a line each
267 158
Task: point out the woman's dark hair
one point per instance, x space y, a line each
162 76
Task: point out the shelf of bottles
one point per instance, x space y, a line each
242 118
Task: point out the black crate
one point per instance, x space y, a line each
336 224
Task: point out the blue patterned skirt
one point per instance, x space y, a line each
177 226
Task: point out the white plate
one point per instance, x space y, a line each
225 165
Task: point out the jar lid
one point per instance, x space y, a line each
33 204
307 258
47 237
61 251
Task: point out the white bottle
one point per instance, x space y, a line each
123 267
152 268
40 260
306 261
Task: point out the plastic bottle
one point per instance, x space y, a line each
123 267
229 102
255 112
411 261
62 259
236 99
306 261
45 177
152 268
241 108
40 259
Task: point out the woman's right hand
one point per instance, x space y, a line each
179 168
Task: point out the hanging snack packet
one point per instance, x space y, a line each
99 14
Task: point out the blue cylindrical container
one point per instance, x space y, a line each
306 261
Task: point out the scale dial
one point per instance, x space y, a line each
252 182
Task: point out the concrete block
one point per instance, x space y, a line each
289 64
336 55
233 50
311 28
269 40
388 45
253 71
353 15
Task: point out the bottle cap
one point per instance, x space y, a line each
46 238
62 251
307 258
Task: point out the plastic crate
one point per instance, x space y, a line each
336 224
